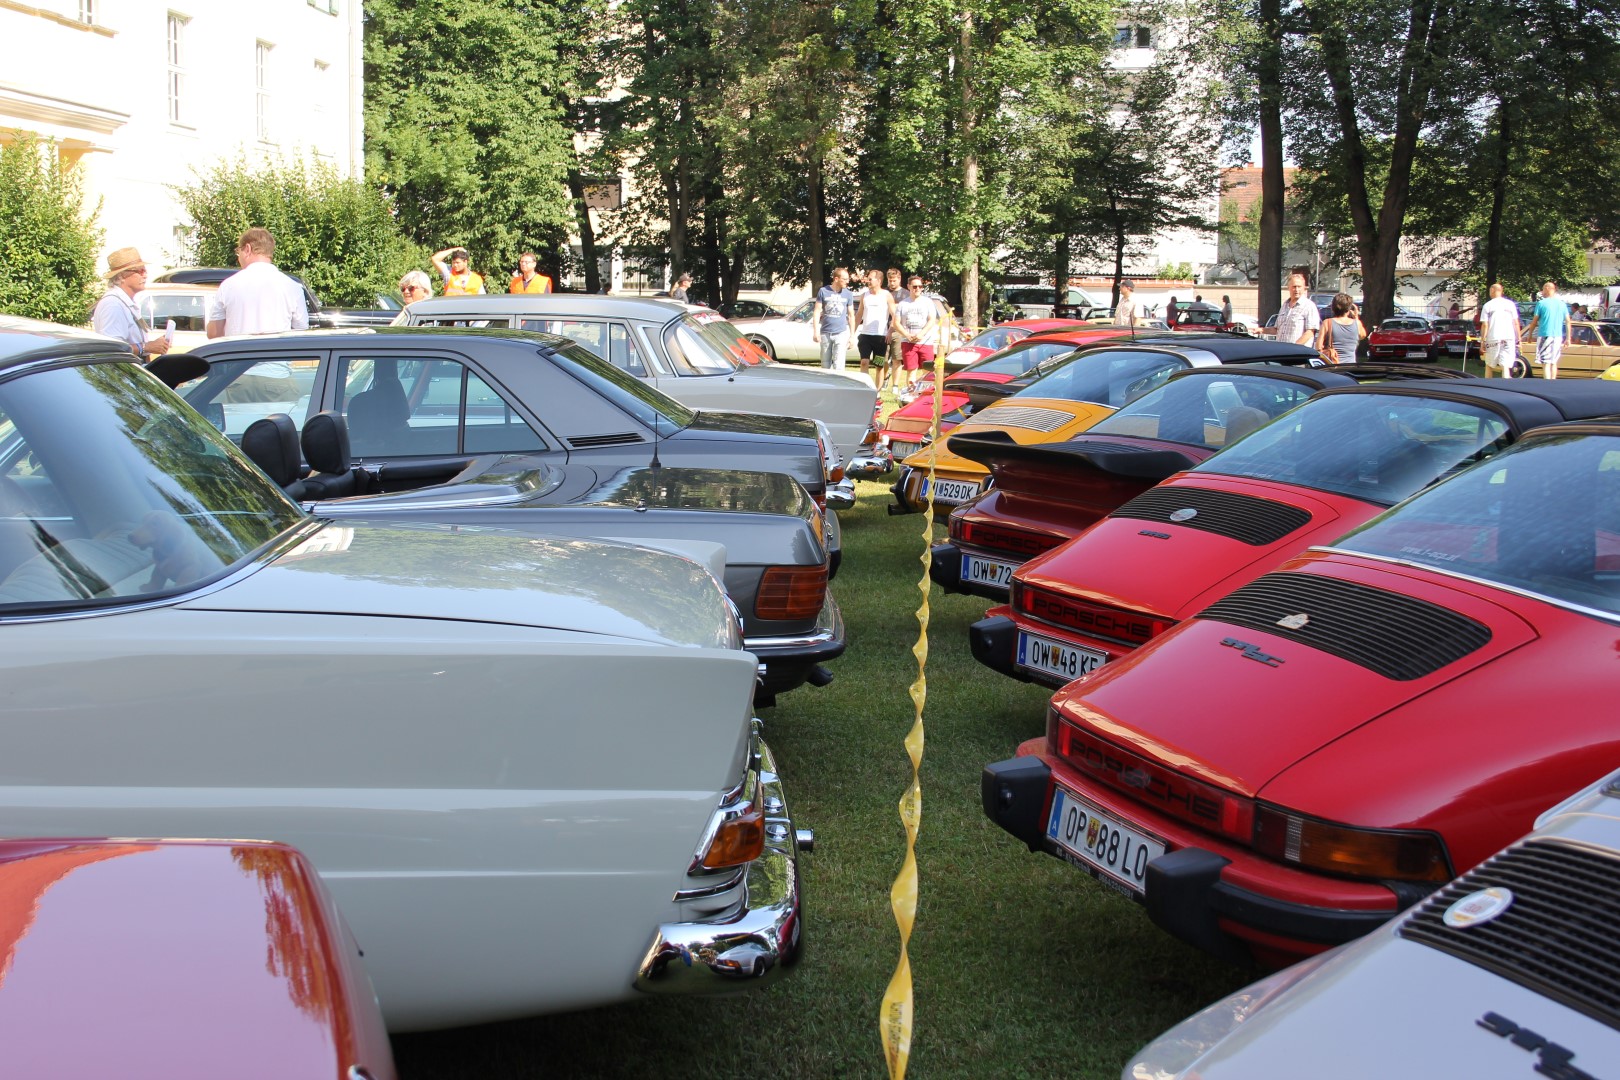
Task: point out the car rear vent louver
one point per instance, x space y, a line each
1021 416
1239 517
1555 937
586 442
1394 635
1101 446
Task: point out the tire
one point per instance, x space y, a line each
1518 369
764 344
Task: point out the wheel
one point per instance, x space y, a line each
764 344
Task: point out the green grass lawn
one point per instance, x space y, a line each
1023 967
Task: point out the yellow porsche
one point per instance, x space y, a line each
1068 395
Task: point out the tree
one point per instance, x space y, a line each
466 124
48 244
337 233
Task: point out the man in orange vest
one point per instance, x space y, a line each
527 279
458 279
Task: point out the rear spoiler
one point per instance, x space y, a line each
992 448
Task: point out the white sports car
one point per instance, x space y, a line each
1508 973
524 766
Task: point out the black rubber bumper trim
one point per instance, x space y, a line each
993 641
945 567
1013 794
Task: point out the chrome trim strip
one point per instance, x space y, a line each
288 540
1579 609
751 947
829 627
730 882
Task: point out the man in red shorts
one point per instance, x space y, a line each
918 317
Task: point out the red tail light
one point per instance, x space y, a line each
1025 542
1115 624
1146 781
791 592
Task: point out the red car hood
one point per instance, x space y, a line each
1172 570
1222 701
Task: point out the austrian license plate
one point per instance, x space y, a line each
1055 657
902 449
1417 352
1101 842
987 571
958 491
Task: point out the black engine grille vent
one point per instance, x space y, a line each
586 442
1396 636
1556 937
1100 446
1240 517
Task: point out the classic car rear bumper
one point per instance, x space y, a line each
1185 893
870 464
788 661
993 642
945 567
754 945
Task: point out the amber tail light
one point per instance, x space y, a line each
739 839
1388 854
791 592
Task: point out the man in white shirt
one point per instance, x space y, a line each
1126 312
1499 334
1298 320
259 299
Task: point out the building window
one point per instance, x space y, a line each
1133 37
177 68
261 87
87 12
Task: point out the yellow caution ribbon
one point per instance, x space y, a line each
895 1016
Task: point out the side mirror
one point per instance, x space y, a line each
214 413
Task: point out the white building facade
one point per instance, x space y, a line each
139 93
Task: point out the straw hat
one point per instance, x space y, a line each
122 260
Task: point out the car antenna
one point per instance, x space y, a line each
657 416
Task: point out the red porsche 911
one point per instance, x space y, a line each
1332 742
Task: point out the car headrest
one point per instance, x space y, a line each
272 443
326 443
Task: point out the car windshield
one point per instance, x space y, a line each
998 337
1019 359
1208 409
114 489
647 404
730 341
1404 324
696 353
1104 376
1543 517
1376 447
189 311
1611 334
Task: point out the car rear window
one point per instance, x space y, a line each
1380 448
1543 517
1208 410
647 404
1104 376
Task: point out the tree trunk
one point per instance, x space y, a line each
675 193
1269 72
970 176
1060 267
1493 234
818 225
587 235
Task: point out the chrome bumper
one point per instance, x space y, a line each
745 948
824 641
841 496
870 464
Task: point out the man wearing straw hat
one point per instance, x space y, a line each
116 314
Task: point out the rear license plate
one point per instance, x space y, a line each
987 571
1100 841
901 449
956 491
1056 658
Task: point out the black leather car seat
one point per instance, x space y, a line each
325 440
379 417
272 444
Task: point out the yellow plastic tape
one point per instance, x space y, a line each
895 1017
